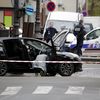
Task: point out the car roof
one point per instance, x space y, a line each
12 38
97 28
61 15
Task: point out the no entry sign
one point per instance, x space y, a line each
51 6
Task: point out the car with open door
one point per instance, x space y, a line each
29 55
91 40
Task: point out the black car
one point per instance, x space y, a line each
29 51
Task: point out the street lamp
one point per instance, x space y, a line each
77 6
16 19
37 22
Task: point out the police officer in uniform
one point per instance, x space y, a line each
79 32
50 32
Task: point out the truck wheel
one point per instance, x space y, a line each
66 69
3 69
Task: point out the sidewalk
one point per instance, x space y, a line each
91 53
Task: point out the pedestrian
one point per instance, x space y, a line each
2 26
50 32
79 32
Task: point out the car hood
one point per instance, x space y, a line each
70 55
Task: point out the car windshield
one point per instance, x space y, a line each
88 27
58 24
38 45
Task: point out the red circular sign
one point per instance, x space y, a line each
51 6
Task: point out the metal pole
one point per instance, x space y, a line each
77 8
37 22
16 19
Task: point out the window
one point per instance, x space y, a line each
39 46
93 35
97 32
58 24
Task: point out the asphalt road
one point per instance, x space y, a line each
80 86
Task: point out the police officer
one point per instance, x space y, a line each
79 32
50 32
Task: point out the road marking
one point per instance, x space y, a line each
74 90
11 90
42 90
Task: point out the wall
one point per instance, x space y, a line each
6 3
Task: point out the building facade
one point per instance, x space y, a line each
7 9
6 12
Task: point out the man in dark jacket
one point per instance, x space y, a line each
50 32
79 32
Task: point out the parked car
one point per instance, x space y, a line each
31 49
91 40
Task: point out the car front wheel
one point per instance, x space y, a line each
3 69
43 73
66 69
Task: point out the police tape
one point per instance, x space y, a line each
35 61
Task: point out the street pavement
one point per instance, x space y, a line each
80 86
60 88
83 85
91 55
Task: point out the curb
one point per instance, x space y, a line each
90 58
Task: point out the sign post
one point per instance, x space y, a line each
29 10
51 6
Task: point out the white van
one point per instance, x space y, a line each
62 19
94 20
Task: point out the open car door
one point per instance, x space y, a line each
15 50
59 39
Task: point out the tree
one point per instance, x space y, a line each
94 7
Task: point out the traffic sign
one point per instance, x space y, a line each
51 6
84 13
29 10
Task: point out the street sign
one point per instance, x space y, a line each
29 10
51 6
84 13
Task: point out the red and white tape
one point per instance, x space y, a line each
83 62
